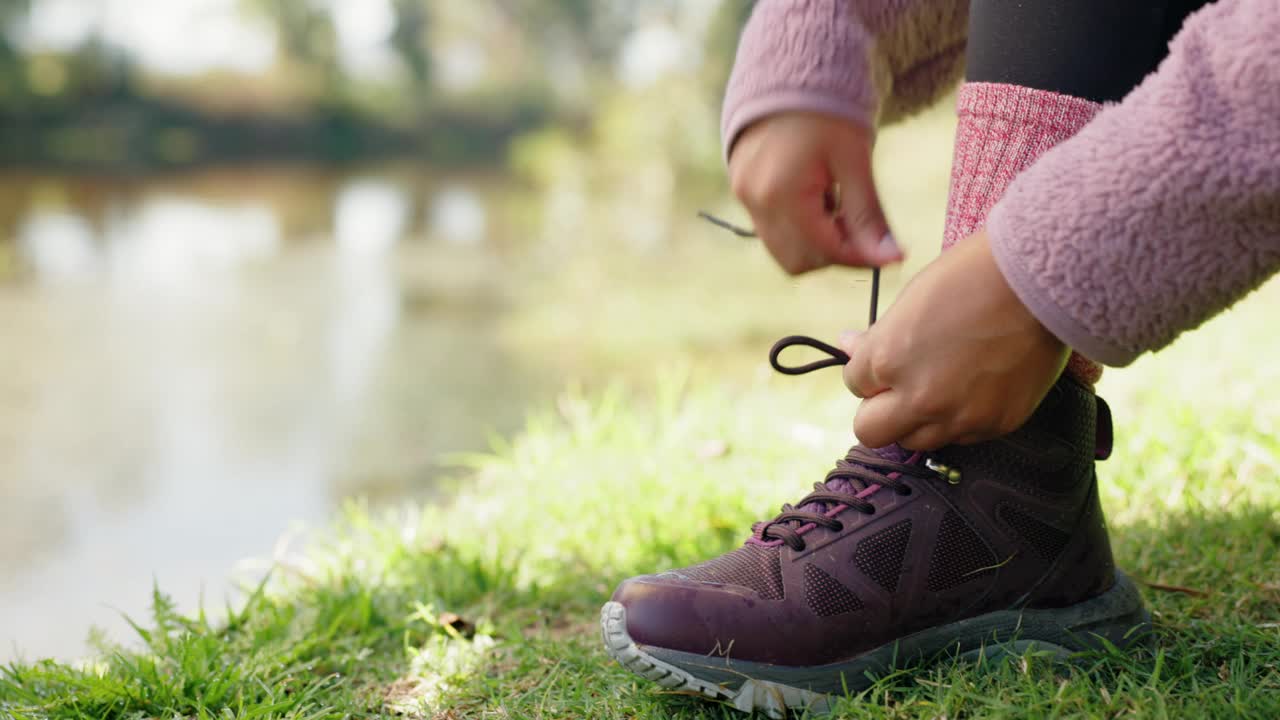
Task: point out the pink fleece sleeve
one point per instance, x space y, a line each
1165 209
864 60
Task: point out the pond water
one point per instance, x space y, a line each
196 367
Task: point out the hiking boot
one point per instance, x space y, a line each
898 558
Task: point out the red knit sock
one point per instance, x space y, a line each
1002 130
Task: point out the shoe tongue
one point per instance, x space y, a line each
893 453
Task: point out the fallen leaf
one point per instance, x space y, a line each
458 624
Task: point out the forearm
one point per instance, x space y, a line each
1165 209
868 61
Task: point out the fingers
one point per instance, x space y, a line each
928 437
865 374
789 218
928 422
886 415
891 415
817 228
797 234
783 165
932 436
865 240
885 419
802 234
880 421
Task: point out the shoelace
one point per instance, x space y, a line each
747 233
861 467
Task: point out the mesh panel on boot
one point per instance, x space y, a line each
1065 424
1046 540
750 566
880 556
825 595
959 555
1013 469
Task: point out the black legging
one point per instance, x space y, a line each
1094 49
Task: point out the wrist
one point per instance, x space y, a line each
1015 316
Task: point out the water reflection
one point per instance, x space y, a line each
457 216
58 245
190 370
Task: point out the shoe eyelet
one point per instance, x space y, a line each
838 527
905 490
868 511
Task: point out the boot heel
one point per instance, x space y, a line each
1116 616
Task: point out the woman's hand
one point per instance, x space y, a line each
783 169
957 359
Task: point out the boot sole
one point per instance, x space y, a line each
1114 618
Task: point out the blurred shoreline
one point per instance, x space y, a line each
133 135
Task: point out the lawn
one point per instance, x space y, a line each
486 607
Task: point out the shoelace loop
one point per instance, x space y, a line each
861 468
839 358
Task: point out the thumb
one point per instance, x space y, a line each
866 237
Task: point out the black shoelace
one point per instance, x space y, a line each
861 467
747 233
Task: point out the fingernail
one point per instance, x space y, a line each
848 337
889 248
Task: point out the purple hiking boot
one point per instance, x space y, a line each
897 559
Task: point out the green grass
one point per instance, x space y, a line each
486 607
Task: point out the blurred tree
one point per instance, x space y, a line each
12 73
475 74
722 41
409 38
307 38
590 30
10 12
